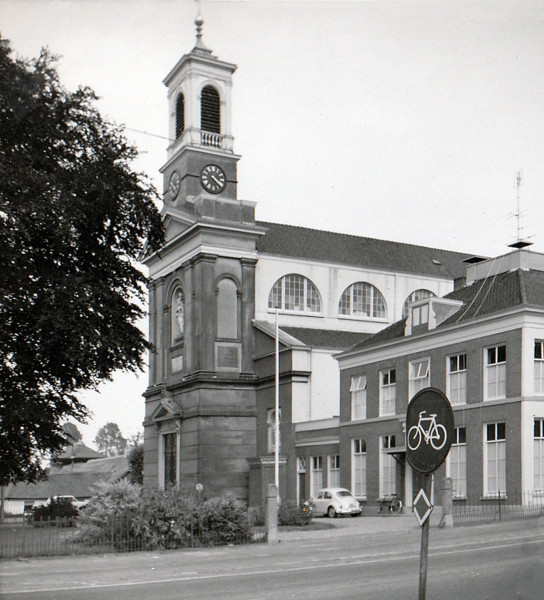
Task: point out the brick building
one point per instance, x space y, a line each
482 344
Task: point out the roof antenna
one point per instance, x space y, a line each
519 244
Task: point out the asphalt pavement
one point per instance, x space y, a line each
368 542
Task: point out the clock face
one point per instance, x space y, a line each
173 185
213 179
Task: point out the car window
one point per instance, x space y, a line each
320 495
327 495
344 493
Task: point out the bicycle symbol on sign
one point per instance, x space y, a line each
427 430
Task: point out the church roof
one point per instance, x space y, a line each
361 252
481 298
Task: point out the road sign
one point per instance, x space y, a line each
422 507
429 430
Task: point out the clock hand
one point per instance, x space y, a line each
214 178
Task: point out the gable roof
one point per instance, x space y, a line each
75 480
481 298
362 252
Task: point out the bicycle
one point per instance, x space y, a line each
392 503
435 434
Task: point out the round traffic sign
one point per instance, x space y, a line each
429 430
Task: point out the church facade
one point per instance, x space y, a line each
231 296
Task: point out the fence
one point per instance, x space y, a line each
59 537
499 507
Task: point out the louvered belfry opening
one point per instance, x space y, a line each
210 113
180 116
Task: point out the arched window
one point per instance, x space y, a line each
414 297
227 309
362 300
294 292
271 430
177 313
180 115
210 110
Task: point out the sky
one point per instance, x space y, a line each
406 120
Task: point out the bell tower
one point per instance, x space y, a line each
200 424
200 159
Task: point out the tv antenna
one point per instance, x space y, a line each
520 243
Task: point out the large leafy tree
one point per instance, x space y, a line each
110 440
74 217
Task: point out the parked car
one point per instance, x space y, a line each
335 501
77 503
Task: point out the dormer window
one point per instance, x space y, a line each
180 115
420 315
414 297
210 110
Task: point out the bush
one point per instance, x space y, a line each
292 515
109 514
122 515
59 512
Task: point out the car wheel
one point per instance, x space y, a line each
331 513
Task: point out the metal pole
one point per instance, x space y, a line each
424 544
277 412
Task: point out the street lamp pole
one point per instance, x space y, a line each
277 412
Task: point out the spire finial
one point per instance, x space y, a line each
199 22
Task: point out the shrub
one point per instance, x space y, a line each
291 514
109 514
120 514
59 511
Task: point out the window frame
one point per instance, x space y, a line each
371 296
316 460
387 466
459 374
538 368
458 451
164 482
538 453
499 446
358 397
333 470
311 298
359 467
385 389
412 385
496 368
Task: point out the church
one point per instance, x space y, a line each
242 312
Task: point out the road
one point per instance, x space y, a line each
499 562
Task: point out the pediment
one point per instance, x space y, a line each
166 409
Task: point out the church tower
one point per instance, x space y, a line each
200 423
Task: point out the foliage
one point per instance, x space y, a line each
112 506
110 440
162 519
72 433
136 464
74 218
292 515
59 511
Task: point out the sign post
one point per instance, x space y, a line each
429 433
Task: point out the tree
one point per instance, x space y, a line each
74 218
72 434
136 464
110 440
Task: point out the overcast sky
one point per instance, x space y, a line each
404 120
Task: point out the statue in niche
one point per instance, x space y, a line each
179 313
